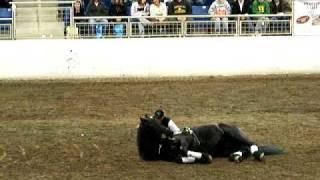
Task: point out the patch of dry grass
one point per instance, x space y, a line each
86 129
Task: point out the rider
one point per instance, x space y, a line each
166 121
186 157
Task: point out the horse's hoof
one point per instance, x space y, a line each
259 156
236 158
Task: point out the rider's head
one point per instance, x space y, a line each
159 114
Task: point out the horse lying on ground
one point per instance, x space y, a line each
198 144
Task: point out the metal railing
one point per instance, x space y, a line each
5 29
138 27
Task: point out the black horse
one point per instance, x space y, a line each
199 144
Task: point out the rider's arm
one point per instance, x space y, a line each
173 127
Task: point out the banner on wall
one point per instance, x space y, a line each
307 17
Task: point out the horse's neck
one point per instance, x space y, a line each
185 140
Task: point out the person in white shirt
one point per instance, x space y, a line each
220 8
158 9
159 12
138 9
166 121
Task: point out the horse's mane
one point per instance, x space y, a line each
148 139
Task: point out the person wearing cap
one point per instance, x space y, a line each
165 148
160 117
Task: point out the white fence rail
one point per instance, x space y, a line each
235 25
138 27
6 29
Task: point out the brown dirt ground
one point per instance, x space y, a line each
42 122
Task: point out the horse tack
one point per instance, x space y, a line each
196 139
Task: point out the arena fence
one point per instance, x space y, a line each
6 29
180 26
70 27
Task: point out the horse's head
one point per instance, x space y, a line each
150 134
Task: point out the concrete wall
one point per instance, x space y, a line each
158 57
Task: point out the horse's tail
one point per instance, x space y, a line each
270 149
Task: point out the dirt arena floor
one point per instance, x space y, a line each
86 129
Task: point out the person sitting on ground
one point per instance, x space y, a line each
160 117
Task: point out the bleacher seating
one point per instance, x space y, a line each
199 24
5 13
200 10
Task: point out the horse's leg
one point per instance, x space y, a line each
236 134
201 157
239 155
185 160
193 157
245 152
246 146
185 155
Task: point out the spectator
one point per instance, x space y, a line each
220 8
243 7
158 9
261 7
279 7
180 7
118 8
78 9
139 9
97 8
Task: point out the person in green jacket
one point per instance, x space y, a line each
261 7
